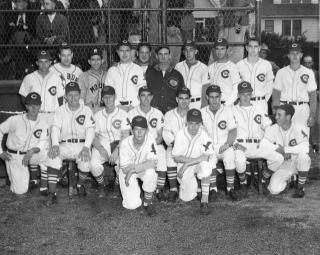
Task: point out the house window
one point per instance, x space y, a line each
306 1
285 1
296 1
296 27
269 26
286 27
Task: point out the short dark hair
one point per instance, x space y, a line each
144 44
287 108
252 39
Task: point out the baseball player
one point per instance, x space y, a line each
251 124
138 160
144 55
194 72
194 153
224 73
296 85
174 120
26 144
126 77
91 82
290 140
72 133
112 126
65 69
155 126
258 72
219 123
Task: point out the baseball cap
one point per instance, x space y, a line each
288 108
294 47
244 87
163 46
144 44
184 90
221 42
107 90
213 88
124 43
139 121
72 86
190 43
65 46
94 52
43 54
144 89
194 115
33 98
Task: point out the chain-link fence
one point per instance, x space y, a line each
85 24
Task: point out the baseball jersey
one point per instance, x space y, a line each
49 88
226 76
66 75
91 85
251 122
194 77
24 134
130 155
173 122
295 85
260 75
72 124
154 118
126 80
110 125
218 125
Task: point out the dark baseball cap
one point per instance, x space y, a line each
144 89
33 98
244 87
95 52
107 90
65 46
288 108
294 47
139 121
124 43
72 86
163 46
190 43
194 115
184 90
43 54
221 42
213 88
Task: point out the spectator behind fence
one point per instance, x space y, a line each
52 27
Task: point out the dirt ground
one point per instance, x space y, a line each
257 225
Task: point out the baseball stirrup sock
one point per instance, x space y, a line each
161 180
302 178
52 179
266 174
230 178
82 178
44 179
116 181
147 198
213 179
100 179
34 169
205 192
199 185
242 178
172 177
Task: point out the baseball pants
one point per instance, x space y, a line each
161 164
228 156
301 115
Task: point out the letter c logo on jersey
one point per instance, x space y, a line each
37 133
257 118
153 122
173 82
225 74
134 79
116 124
261 77
304 78
222 124
293 142
80 119
53 91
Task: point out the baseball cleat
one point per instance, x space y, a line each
81 190
204 209
52 199
232 194
265 190
149 210
244 190
44 192
299 193
160 196
102 191
173 196
213 195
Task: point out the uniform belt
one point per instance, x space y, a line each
41 111
258 98
196 99
73 141
17 152
294 103
125 102
248 140
222 102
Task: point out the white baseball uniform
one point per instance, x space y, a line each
193 147
294 87
66 75
296 143
218 126
226 76
126 80
130 155
108 127
24 134
260 76
194 78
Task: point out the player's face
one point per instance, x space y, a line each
308 62
109 100
95 62
193 127
139 134
183 101
164 55
263 54
43 65
253 48
73 98
66 56
295 57
144 54
245 98
145 98
190 53
221 52
124 53
33 109
133 55
49 4
281 117
214 100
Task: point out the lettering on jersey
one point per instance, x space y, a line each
52 91
153 122
293 142
153 149
128 122
225 74
206 146
96 87
222 124
172 82
37 133
261 77
304 134
304 78
116 124
80 119
134 79
71 77
257 119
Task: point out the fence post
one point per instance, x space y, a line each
258 19
164 22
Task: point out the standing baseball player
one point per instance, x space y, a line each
126 77
219 123
258 72
251 123
91 82
296 85
112 126
224 73
27 144
144 56
138 160
72 133
194 153
194 72
175 120
155 126
290 140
